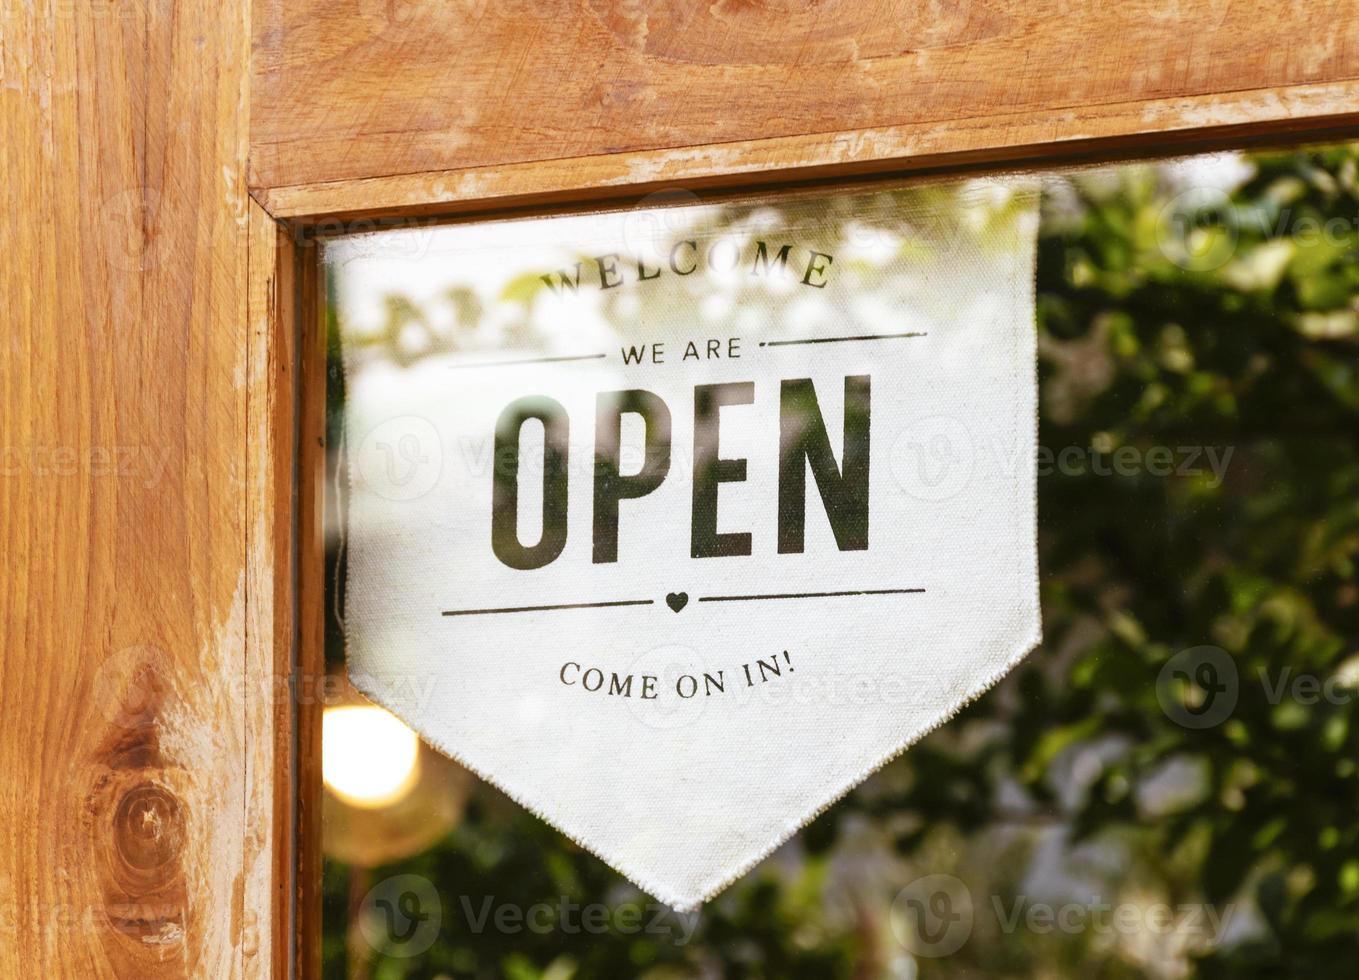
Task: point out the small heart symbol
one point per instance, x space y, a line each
677 600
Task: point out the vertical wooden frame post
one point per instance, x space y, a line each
146 522
311 593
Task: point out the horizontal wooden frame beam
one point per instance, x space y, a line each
403 106
995 143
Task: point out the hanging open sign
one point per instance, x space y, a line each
677 522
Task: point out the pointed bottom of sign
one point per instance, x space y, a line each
681 710
684 870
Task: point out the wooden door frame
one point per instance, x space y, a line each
172 165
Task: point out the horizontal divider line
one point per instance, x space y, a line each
565 605
764 343
840 340
527 360
651 602
806 595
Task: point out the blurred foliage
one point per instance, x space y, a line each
1169 317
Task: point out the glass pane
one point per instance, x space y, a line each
1166 787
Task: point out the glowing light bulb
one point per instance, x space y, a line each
368 758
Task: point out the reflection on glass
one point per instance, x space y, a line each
1128 803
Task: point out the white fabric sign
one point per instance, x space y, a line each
676 523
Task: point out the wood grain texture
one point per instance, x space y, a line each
144 609
1200 124
311 604
270 670
388 88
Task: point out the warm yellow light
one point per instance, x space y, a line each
368 757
